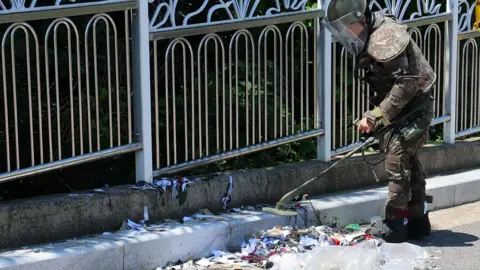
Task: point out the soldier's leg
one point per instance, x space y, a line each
393 228
397 167
399 170
416 205
418 223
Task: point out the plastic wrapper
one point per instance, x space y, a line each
387 256
330 258
403 256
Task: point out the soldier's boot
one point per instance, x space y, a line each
419 227
391 231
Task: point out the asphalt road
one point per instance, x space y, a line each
455 239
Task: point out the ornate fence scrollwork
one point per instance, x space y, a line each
9 6
466 19
165 14
400 8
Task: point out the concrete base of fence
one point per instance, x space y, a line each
197 239
59 217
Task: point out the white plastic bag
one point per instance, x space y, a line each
345 258
402 256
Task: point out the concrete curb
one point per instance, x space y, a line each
59 217
197 238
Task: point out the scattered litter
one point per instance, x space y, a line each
308 242
322 247
182 182
353 227
143 186
228 196
81 195
187 218
204 262
135 226
218 253
179 184
145 213
163 183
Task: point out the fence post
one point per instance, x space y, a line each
324 87
141 89
451 53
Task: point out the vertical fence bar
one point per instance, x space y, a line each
141 77
324 87
451 52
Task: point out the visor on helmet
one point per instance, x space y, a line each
350 30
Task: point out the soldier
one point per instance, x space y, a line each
402 79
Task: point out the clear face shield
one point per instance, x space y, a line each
350 31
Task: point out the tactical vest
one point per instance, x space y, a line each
381 80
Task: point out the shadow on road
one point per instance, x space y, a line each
446 238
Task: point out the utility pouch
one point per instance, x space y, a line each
415 126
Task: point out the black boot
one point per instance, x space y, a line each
392 231
419 227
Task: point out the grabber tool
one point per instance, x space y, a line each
281 208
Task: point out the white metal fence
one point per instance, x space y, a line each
184 83
57 107
468 69
228 87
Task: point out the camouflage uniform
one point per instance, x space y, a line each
401 78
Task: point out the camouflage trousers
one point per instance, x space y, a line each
406 187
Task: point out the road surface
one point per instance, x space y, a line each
454 241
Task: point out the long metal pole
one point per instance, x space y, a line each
141 75
324 87
451 52
292 194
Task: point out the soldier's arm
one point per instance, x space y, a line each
402 92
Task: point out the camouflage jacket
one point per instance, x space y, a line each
395 69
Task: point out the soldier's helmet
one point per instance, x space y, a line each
346 21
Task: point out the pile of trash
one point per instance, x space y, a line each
287 247
315 248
